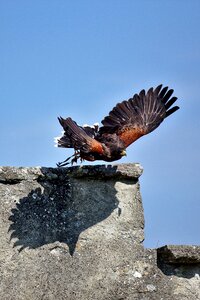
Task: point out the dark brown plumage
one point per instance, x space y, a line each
127 121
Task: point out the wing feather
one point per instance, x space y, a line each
139 115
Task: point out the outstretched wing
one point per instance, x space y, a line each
139 115
76 137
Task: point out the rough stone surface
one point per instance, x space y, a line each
77 233
182 254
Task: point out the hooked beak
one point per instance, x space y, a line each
123 153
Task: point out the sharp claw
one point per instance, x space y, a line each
75 156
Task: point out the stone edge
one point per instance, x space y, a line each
17 174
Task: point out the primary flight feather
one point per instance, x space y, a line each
126 122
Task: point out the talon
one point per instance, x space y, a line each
75 156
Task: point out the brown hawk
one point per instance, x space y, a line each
126 122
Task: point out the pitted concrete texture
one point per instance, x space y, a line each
77 233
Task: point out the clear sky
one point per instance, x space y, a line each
79 58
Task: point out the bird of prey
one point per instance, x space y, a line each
126 122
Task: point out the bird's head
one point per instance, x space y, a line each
123 152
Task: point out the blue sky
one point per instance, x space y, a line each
78 59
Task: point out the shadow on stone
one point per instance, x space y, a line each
185 271
180 261
59 210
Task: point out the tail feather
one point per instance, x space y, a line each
74 136
63 141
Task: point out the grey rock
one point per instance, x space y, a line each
182 254
77 233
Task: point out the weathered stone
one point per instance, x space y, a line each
77 233
182 254
182 264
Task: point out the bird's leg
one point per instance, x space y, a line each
82 159
64 163
75 156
